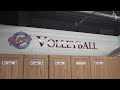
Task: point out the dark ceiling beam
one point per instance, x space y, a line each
57 15
81 16
100 15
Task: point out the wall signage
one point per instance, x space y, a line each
66 43
20 40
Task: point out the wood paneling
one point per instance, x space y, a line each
35 67
14 66
80 67
99 68
114 67
11 66
59 67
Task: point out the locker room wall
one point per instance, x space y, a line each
105 44
118 37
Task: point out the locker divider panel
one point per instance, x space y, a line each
11 66
35 67
80 66
59 67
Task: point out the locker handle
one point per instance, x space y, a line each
99 63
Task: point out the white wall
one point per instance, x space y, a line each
105 44
118 40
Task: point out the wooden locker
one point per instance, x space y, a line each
99 68
59 67
114 65
11 66
35 67
80 67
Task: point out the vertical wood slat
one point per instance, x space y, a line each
80 66
62 71
11 71
35 71
114 65
99 67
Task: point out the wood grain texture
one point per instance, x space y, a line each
100 70
11 56
80 66
114 68
11 71
35 71
59 71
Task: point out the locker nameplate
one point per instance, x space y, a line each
36 62
59 63
8 62
99 62
80 63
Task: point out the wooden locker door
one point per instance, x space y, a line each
99 68
11 66
35 67
114 65
80 67
59 67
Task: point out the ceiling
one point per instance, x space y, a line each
62 20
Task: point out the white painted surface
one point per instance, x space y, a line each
105 44
118 40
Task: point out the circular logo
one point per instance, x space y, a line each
20 40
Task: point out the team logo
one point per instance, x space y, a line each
20 40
